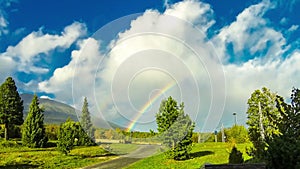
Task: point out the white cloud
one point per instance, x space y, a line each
156 49
30 50
83 66
143 59
3 15
46 97
293 28
250 32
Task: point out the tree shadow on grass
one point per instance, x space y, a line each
201 154
18 166
94 156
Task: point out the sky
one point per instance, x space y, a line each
126 56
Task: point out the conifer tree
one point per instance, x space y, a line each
86 121
33 131
11 106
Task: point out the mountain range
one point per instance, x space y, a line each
56 112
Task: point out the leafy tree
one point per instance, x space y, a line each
11 106
86 121
66 136
175 128
235 156
262 120
33 131
71 134
236 134
284 149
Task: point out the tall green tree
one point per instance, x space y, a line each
11 106
33 130
284 149
262 120
86 121
176 129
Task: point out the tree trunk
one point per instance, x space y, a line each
5 131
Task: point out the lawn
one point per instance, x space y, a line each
17 156
203 153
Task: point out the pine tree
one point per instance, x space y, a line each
86 121
175 128
33 131
11 106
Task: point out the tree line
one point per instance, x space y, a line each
33 131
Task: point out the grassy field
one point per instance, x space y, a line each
203 153
17 156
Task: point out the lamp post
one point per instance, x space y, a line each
235 118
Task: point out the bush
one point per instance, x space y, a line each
72 134
235 156
52 131
6 143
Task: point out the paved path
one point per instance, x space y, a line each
142 152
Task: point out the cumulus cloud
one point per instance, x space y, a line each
32 48
172 46
159 49
250 36
83 64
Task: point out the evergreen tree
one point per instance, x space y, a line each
11 106
86 121
33 132
175 128
235 156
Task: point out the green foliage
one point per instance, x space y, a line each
86 121
11 106
52 131
14 131
33 130
237 134
235 156
284 149
66 136
175 128
70 134
269 117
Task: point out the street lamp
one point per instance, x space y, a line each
234 113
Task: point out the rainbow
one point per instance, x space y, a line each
148 104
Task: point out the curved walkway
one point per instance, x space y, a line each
142 152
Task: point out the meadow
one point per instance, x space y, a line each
14 155
202 153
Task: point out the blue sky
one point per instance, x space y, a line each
257 43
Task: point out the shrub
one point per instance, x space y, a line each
235 156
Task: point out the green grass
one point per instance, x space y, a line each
203 153
121 149
23 157
14 155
